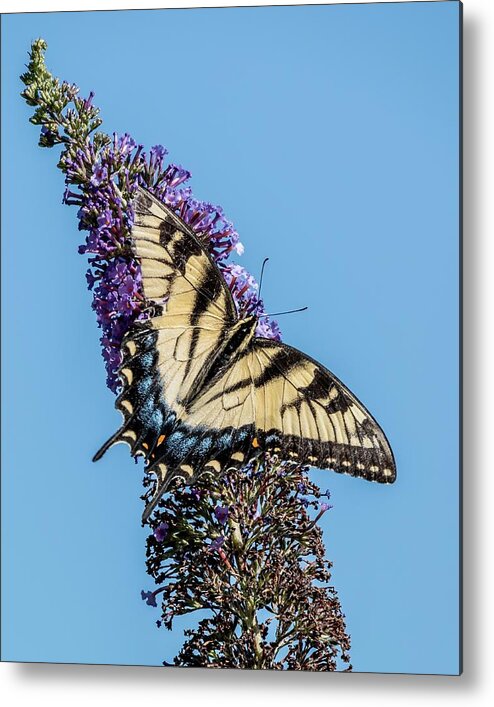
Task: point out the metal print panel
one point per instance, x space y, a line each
230 242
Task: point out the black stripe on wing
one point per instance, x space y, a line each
370 457
180 244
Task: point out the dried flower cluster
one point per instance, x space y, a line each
242 547
247 551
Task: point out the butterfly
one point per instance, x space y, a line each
202 393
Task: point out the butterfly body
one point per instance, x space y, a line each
237 339
202 393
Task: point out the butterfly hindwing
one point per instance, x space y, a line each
298 410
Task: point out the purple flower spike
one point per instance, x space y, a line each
221 513
161 531
149 598
189 555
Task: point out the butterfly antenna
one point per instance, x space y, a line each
278 314
262 274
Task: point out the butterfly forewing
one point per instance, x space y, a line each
165 357
197 308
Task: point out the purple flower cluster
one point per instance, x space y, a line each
108 179
245 291
210 224
206 220
117 302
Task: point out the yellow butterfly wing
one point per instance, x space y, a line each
191 309
297 409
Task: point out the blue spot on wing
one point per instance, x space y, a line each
243 433
157 420
146 359
180 443
144 385
204 444
225 439
149 415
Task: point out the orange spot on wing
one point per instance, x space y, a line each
255 442
145 445
161 439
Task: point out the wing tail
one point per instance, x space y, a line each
114 439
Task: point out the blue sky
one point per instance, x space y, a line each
330 136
